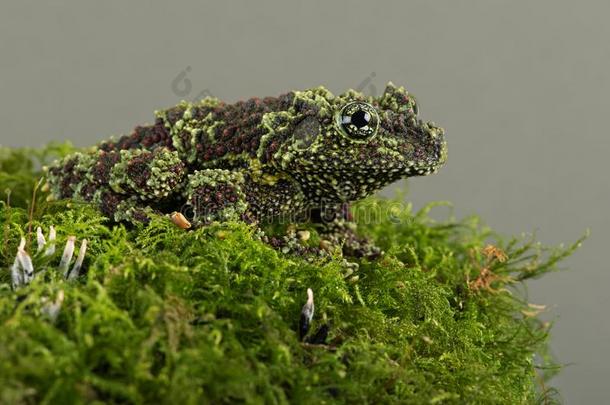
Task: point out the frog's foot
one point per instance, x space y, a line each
294 242
216 195
299 243
337 228
23 271
354 245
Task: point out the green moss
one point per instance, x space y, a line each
164 315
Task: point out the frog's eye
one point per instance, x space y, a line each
358 120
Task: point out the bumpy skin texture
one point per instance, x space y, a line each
256 160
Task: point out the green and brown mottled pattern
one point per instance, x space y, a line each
257 159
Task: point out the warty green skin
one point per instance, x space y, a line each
256 160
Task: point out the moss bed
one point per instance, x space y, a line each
162 315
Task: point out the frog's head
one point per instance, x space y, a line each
342 148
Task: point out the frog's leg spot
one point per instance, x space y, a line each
150 175
216 195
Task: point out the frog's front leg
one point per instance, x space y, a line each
216 195
336 226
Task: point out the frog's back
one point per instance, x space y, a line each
208 133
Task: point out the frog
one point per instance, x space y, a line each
303 154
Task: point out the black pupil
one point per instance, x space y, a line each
360 118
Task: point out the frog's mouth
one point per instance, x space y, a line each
427 155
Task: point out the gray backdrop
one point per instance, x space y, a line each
521 87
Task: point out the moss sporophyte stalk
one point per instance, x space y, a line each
266 291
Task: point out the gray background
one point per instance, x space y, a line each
522 88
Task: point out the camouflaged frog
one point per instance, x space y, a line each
257 160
